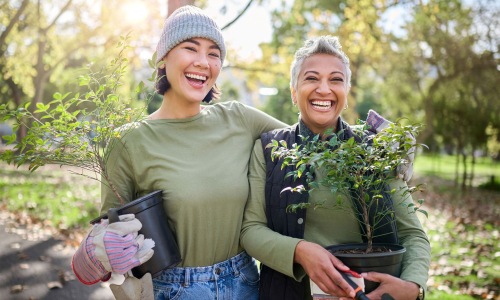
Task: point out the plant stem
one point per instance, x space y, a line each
366 221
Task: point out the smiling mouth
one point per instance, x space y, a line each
322 104
196 78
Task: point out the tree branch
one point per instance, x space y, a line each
11 25
238 16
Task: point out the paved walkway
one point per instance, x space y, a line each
35 266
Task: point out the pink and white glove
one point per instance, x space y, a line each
111 248
377 123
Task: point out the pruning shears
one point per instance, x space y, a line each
360 295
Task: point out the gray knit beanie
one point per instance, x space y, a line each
188 22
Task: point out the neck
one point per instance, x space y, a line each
171 109
306 130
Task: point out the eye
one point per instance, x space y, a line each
339 79
214 54
311 78
190 48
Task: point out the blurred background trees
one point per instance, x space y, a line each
435 61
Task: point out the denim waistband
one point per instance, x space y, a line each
209 273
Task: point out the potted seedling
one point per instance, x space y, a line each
82 131
359 170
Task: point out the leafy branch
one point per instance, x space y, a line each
79 130
358 168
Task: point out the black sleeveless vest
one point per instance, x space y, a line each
275 285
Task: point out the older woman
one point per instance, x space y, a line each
320 82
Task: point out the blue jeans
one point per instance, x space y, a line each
235 278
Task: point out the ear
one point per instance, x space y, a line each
162 63
294 95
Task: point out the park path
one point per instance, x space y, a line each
35 264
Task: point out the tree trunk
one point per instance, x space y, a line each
473 163
366 220
464 174
457 166
175 4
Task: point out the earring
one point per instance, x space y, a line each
346 106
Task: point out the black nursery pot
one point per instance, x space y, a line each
149 211
383 262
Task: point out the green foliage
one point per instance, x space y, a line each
280 105
358 168
78 131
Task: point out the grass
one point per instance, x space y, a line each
445 166
50 194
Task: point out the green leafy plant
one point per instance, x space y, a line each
357 169
79 130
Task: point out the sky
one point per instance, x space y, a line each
248 31
243 36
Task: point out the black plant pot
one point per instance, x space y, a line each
383 262
149 211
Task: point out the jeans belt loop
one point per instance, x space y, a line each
186 277
234 265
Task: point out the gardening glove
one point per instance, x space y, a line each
111 250
378 123
134 289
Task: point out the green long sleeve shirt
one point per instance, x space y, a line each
201 165
325 227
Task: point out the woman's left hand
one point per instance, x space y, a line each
378 123
399 289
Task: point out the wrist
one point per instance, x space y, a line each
297 255
421 293
418 291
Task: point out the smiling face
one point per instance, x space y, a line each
321 91
192 68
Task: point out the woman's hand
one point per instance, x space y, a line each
321 266
378 123
399 289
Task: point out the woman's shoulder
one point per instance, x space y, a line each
130 129
279 133
230 105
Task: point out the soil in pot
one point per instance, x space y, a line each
388 262
149 211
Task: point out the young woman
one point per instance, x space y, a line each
198 155
292 245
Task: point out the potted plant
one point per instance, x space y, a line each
82 131
358 170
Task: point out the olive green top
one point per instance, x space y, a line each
201 164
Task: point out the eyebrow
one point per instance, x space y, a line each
317 73
214 46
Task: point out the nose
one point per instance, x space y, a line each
201 62
323 87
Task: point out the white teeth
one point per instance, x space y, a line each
323 104
194 76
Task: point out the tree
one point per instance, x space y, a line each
42 43
441 61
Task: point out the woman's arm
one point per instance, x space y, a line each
287 255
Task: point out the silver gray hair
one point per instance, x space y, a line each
325 44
